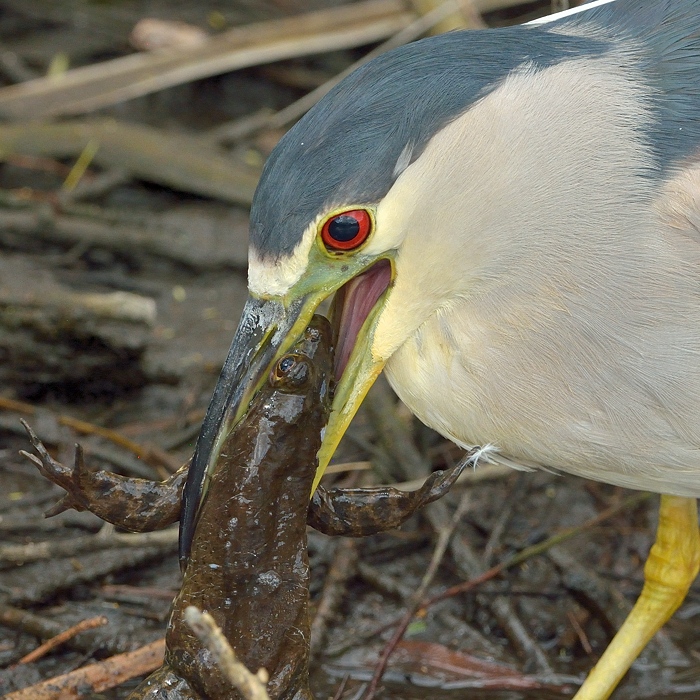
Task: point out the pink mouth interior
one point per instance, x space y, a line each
354 302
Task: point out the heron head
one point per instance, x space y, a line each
355 204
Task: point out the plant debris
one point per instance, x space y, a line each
125 177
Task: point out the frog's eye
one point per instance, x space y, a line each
292 371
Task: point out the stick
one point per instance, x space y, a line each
250 685
178 160
63 637
52 549
44 628
525 554
149 454
536 549
91 87
341 570
444 535
96 677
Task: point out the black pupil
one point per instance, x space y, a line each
286 363
344 228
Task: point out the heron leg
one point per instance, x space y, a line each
670 570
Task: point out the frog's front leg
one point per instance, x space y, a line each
139 505
366 511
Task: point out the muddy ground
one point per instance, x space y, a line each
117 306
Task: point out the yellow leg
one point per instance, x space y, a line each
670 570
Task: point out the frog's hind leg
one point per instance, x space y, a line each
164 684
366 511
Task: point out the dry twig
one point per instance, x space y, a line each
148 453
38 551
250 685
96 677
45 628
178 160
534 550
341 570
91 87
62 638
444 535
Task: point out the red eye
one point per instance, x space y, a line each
347 230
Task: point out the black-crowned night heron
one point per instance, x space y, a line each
510 220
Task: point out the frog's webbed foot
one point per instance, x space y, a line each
366 511
68 478
139 505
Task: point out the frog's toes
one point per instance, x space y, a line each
66 503
41 464
79 461
33 438
65 477
44 459
33 458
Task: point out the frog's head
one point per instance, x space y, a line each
305 371
297 393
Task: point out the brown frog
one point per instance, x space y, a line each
248 563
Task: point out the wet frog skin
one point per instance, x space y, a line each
142 505
249 564
138 505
